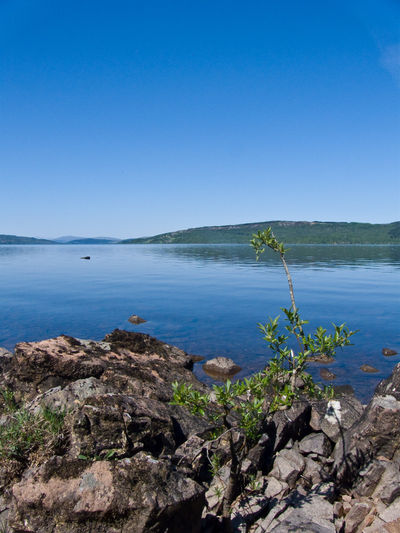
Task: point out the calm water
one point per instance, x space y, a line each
205 299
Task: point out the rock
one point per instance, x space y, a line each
246 510
355 516
320 358
221 368
340 415
288 466
368 478
276 489
369 369
71 396
196 358
343 390
215 493
376 433
86 257
135 363
388 352
5 359
312 473
391 385
391 516
299 512
135 319
193 454
138 494
326 374
116 393
315 443
260 455
388 488
292 423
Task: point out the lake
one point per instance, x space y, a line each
206 299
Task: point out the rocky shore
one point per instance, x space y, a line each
103 450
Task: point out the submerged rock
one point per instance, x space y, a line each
326 374
388 352
320 358
369 369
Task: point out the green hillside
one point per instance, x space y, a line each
14 239
288 232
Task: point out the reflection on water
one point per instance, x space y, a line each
205 299
298 255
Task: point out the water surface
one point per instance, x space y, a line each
206 299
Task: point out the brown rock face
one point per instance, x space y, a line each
116 394
138 494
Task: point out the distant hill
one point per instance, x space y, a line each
71 239
14 239
89 240
286 231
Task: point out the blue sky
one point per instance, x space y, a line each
130 118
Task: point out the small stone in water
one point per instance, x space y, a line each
326 374
135 319
369 369
388 351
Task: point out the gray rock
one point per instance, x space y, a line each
340 415
391 515
292 423
368 478
276 489
316 443
377 433
391 385
246 510
5 359
299 512
215 493
312 472
356 516
388 488
288 466
70 396
260 455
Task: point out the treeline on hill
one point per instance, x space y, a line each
290 232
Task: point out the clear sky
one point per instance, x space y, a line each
128 118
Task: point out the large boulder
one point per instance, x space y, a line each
138 494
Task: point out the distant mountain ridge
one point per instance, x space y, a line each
287 231
15 239
71 239
290 232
